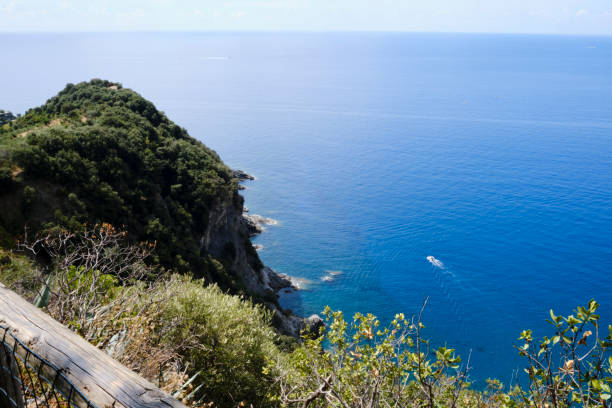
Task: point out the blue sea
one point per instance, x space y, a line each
492 153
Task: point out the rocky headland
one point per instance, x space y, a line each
146 176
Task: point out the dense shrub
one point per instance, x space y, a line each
168 330
6 117
360 363
6 178
226 337
209 348
123 162
19 273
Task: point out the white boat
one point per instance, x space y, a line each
435 262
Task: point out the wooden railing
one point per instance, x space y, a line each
44 364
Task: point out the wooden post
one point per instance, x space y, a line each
100 378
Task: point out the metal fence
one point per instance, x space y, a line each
29 381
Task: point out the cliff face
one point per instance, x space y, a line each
226 237
99 153
228 228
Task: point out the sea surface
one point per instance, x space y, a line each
492 153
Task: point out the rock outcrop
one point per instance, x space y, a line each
255 223
241 175
227 229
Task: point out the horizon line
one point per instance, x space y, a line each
280 31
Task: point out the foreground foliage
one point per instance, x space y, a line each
574 366
360 364
193 341
367 365
209 348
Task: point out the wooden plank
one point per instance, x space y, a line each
98 376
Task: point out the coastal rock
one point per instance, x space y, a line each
313 324
241 175
275 281
261 220
285 320
255 223
300 283
294 326
252 226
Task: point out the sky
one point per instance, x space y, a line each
591 17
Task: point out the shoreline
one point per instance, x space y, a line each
273 281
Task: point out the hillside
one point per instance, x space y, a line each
99 153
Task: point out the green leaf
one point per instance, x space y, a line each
596 384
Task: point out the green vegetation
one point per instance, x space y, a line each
97 153
210 349
19 273
6 117
368 365
169 330
98 156
226 338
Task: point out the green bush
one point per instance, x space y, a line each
18 273
6 239
6 178
574 366
205 346
167 330
359 363
225 337
29 197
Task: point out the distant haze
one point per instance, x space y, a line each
503 16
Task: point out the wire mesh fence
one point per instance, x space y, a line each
29 381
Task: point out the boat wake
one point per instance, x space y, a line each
450 288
